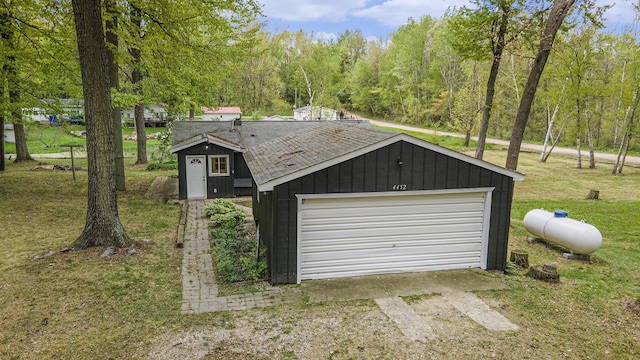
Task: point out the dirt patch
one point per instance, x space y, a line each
338 330
163 189
632 306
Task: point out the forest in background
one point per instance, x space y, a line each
430 72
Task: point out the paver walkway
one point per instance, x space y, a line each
199 290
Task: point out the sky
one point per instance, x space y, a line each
378 18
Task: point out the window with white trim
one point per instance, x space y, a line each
218 165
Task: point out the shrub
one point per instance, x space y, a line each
234 254
225 214
173 165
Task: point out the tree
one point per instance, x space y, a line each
10 75
471 30
559 10
114 82
103 226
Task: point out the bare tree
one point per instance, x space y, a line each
103 226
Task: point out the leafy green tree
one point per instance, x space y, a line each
103 226
559 10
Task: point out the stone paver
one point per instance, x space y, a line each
199 290
411 324
472 306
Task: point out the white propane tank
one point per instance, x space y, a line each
576 236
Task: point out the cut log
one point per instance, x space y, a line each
547 273
520 258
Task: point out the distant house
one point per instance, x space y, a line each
154 115
314 113
56 110
225 113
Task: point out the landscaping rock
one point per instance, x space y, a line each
45 255
109 251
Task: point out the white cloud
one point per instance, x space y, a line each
310 10
621 12
325 36
393 13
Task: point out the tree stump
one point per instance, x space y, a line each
520 258
547 273
593 195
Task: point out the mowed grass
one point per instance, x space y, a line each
117 308
75 305
46 139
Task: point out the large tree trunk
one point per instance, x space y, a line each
103 226
116 115
136 80
491 83
558 12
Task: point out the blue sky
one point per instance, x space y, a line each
328 18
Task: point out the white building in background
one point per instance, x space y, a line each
9 135
314 113
154 114
224 113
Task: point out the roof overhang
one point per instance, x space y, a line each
269 185
205 138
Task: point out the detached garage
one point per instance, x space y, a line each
338 201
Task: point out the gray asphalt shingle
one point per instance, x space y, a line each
311 146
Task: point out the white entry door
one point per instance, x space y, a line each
196 177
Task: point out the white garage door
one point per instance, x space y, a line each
357 234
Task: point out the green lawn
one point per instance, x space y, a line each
45 139
77 306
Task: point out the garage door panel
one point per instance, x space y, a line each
398 227
412 240
382 211
403 254
333 202
355 236
386 231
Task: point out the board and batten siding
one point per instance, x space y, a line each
223 184
379 171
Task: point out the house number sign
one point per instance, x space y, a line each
400 187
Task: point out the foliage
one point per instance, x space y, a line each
235 253
164 142
225 214
170 165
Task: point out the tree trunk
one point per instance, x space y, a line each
10 75
558 12
22 152
103 226
3 165
551 122
4 22
491 83
116 115
136 82
626 151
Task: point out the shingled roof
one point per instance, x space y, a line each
248 134
307 148
328 143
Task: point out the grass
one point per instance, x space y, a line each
116 308
45 139
451 142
